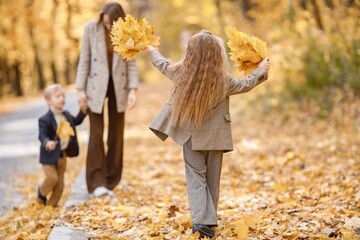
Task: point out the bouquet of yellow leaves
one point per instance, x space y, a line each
246 51
130 36
64 130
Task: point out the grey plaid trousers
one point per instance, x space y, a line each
202 170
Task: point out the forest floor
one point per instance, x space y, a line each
290 176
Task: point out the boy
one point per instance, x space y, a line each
58 139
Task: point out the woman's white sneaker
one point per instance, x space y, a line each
100 191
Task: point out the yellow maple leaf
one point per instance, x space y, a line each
64 130
195 235
250 220
279 187
241 229
120 207
245 50
129 36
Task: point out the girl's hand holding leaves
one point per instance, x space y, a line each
265 64
246 51
130 36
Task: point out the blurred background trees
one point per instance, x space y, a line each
314 44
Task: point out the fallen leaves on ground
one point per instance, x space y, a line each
33 220
295 179
288 178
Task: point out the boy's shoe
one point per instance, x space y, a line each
40 197
203 230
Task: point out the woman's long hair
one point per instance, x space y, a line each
199 80
114 10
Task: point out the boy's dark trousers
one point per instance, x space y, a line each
54 180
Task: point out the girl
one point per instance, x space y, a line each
197 117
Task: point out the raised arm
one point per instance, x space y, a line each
159 61
242 85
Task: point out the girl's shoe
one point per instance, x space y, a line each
211 226
203 230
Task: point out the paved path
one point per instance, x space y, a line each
19 145
79 195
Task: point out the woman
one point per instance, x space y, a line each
102 74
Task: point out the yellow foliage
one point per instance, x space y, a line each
252 219
64 130
31 219
241 230
246 51
130 36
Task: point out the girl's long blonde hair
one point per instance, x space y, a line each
199 80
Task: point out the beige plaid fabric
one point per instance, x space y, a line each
202 170
215 132
93 71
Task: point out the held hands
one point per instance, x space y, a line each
131 101
265 64
82 100
51 145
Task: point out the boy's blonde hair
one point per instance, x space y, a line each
51 89
199 80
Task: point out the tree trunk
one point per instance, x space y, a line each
220 13
70 54
3 75
14 69
67 73
3 67
52 45
39 69
329 4
17 77
350 3
54 70
303 4
37 60
142 7
317 14
245 8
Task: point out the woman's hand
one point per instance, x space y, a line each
82 100
131 101
265 64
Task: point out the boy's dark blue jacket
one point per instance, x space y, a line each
47 132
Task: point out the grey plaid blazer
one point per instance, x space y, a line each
215 132
93 72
